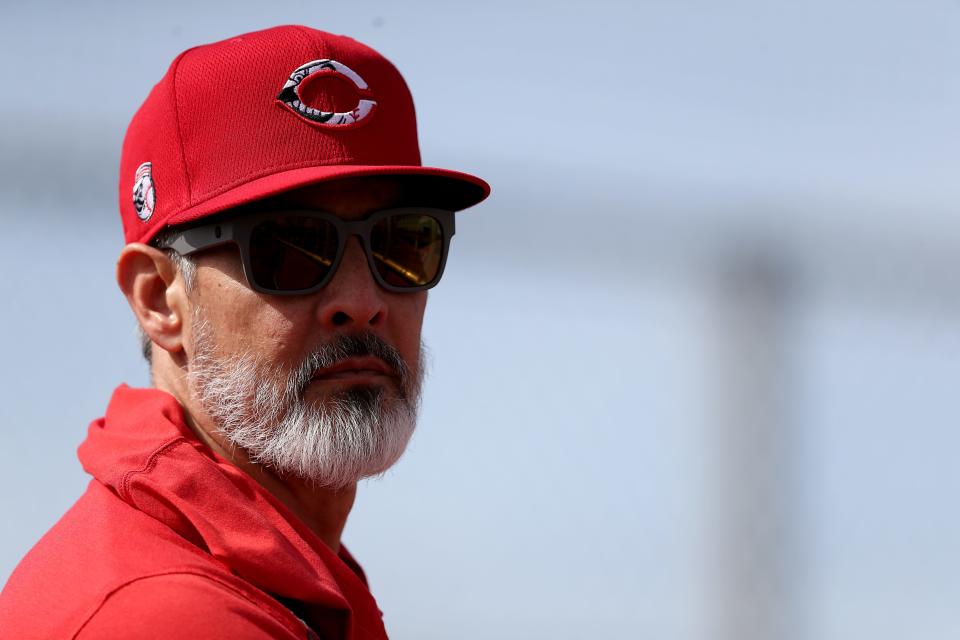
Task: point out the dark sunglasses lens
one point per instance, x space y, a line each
407 249
291 252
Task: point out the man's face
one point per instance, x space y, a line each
323 386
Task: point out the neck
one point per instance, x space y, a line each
324 511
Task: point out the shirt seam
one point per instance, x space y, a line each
148 466
226 586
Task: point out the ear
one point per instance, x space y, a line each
156 294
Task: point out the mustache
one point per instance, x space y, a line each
346 346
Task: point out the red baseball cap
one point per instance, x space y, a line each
255 115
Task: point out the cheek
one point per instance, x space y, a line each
408 320
241 322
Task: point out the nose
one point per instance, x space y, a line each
352 299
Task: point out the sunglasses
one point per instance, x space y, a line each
294 252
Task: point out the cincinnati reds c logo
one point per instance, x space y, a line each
290 95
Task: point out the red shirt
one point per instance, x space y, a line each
171 541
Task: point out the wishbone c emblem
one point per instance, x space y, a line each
290 95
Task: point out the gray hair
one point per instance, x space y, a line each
187 268
262 409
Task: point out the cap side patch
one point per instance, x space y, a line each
144 193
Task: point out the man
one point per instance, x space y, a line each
281 235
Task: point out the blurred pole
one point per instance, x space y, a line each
754 525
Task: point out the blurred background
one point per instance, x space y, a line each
693 363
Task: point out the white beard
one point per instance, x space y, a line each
333 442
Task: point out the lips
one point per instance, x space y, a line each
355 368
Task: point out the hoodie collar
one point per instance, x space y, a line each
145 452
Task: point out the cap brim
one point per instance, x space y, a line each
429 186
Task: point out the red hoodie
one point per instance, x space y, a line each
171 541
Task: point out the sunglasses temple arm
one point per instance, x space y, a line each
190 240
